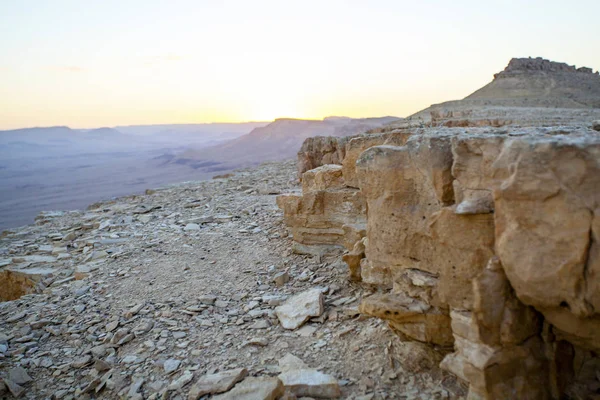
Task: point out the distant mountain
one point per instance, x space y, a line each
104 133
62 140
279 140
38 135
215 128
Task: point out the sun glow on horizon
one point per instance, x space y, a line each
91 64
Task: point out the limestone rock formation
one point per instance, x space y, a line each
328 213
548 199
320 150
484 240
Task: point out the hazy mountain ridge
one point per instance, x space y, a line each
279 140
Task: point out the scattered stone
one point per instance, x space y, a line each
192 227
180 382
207 299
135 388
171 365
19 375
281 278
257 342
311 383
254 389
216 383
260 324
299 308
134 310
16 390
290 362
111 326
81 361
101 365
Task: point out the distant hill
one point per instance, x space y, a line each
62 140
279 140
525 90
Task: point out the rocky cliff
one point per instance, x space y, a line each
483 240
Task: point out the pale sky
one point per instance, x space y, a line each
104 63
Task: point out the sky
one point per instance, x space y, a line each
88 64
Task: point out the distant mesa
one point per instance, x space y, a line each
538 82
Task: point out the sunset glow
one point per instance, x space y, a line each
89 64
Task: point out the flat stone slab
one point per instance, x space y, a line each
254 389
299 308
216 383
311 383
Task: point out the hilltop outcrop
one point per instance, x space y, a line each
528 92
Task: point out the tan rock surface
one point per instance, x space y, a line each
547 199
328 176
254 389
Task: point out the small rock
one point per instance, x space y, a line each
216 383
180 382
290 362
310 383
81 361
134 310
135 387
19 375
281 278
207 299
101 365
596 125
257 342
221 304
111 326
260 324
179 334
192 227
14 389
171 365
254 389
299 308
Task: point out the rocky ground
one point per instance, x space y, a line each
184 291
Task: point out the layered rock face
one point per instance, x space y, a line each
480 240
327 215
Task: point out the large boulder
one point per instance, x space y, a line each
547 203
